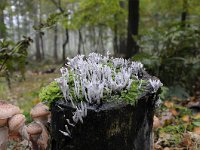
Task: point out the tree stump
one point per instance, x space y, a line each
111 126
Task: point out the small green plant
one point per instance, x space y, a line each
13 57
50 93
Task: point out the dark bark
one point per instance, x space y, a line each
55 43
64 44
122 37
2 22
42 45
115 41
111 126
133 25
37 34
184 13
58 5
37 46
41 33
122 46
101 41
18 26
79 42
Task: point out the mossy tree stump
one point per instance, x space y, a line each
109 105
111 126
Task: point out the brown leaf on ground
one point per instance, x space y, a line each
157 147
195 137
166 148
196 116
187 141
193 104
186 118
196 130
166 118
174 112
169 104
156 122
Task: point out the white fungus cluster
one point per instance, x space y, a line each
93 77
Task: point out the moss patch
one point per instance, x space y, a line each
51 93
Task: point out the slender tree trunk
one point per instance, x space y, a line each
42 45
122 46
55 43
83 42
94 40
101 40
133 24
115 40
41 33
2 22
18 26
37 35
65 43
79 42
37 46
122 37
184 13
58 6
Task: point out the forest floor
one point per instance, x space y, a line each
178 125
177 122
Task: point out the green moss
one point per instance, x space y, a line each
28 117
131 95
175 132
50 93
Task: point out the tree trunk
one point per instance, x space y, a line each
58 6
41 33
37 34
64 44
79 42
2 22
42 45
37 46
133 24
55 43
184 13
115 41
122 46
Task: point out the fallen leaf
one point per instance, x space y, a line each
195 137
186 118
169 104
196 116
186 140
174 112
196 130
156 122
193 104
166 118
157 147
